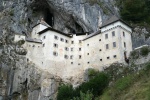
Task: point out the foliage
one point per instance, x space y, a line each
135 54
92 73
20 42
148 66
65 92
84 96
92 88
135 10
144 51
123 83
95 85
135 86
11 12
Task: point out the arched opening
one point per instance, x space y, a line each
49 17
78 28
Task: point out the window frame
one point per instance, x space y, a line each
108 57
106 36
61 39
55 45
66 56
66 41
114 44
55 53
56 37
107 46
66 48
72 42
113 34
115 56
125 45
80 49
123 34
80 57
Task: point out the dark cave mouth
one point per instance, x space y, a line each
49 17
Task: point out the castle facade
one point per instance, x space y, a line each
59 53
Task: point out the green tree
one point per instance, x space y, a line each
134 10
65 92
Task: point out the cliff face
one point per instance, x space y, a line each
64 15
20 80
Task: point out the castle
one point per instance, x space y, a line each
59 53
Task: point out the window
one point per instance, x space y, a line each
43 45
107 46
71 57
55 53
79 56
113 33
100 49
101 60
78 63
67 49
88 62
123 34
66 56
99 39
71 49
108 57
44 37
71 62
106 36
33 46
87 53
79 49
61 39
56 37
124 44
80 41
115 56
27 60
72 42
87 44
55 45
66 41
114 44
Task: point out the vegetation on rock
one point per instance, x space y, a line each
136 11
94 86
134 87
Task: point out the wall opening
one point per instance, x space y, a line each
78 28
49 17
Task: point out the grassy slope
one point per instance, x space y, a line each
132 87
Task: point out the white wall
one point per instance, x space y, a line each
19 37
35 53
37 29
42 54
115 25
95 45
94 50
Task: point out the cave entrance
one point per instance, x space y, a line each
79 28
49 17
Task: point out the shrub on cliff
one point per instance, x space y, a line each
65 92
94 87
135 10
144 51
